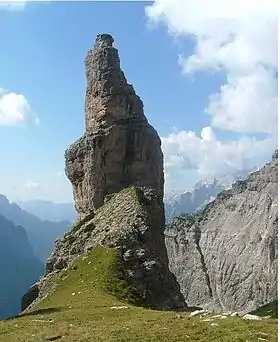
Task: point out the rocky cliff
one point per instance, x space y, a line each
116 169
225 257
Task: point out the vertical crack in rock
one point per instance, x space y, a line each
197 232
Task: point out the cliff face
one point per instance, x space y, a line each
225 257
116 169
119 147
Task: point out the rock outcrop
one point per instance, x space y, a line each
225 257
116 169
119 148
129 222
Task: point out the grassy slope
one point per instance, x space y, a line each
270 309
86 316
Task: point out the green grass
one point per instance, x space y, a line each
86 316
270 309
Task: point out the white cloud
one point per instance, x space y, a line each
47 186
11 5
239 39
185 151
17 5
30 185
208 134
15 110
247 103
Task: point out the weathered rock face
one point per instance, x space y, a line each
116 170
225 257
128 221
119 147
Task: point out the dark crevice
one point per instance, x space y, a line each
203 265
270 202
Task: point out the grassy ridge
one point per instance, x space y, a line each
80 310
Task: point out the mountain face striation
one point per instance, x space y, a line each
116 169
225 257
19 267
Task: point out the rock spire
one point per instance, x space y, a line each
119 147
116 169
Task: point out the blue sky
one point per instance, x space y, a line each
43 47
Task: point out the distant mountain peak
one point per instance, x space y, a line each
201 194
48 210
19 266
41 233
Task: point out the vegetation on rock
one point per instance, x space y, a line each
93 303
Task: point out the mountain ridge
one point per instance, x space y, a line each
49 210
19 266
233 246
41 234
202 193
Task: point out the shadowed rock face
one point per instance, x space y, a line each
119 147
225 257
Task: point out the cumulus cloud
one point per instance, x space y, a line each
15 110
239 39
247 103
208 134
211 156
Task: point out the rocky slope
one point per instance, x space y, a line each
19 267
129 223
41 234
225 257
116 169
202 193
